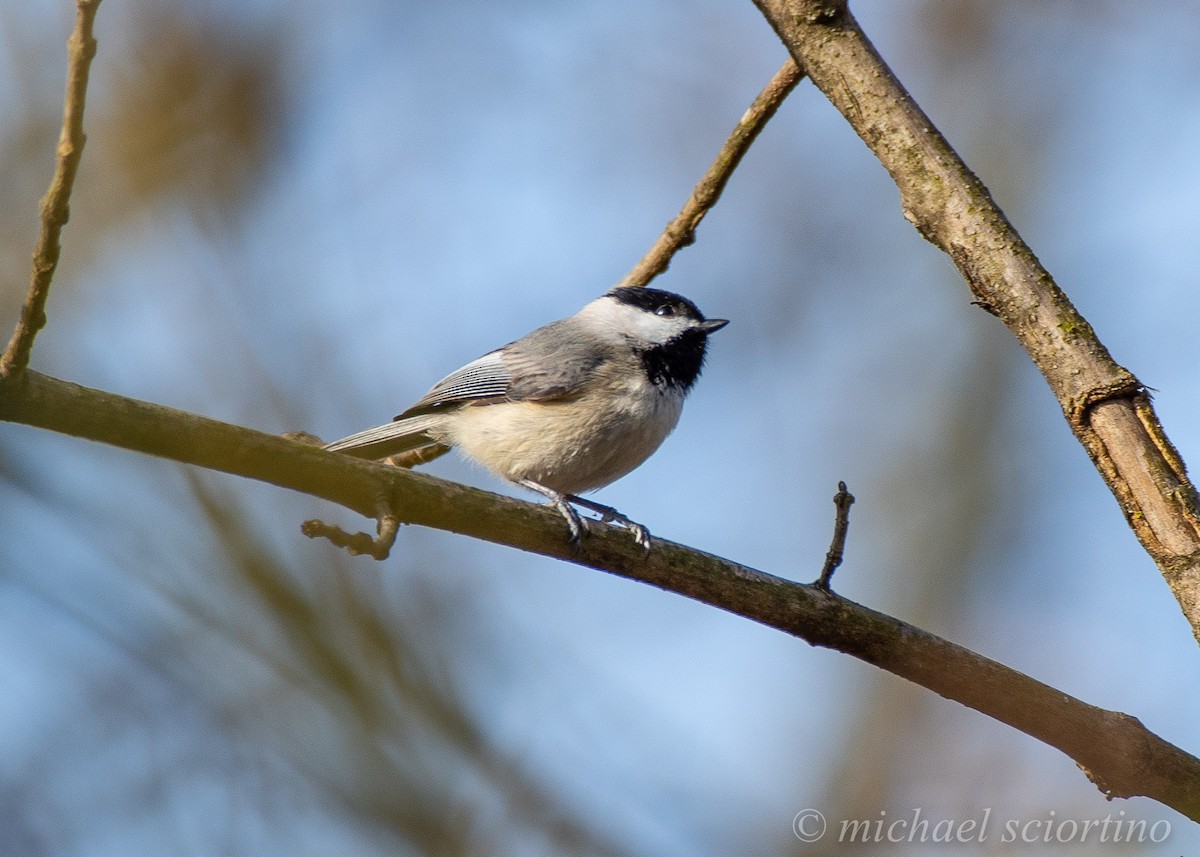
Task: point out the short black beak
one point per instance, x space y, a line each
713 325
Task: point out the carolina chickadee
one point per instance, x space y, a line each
568 408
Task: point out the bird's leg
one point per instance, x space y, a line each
608 514
576 524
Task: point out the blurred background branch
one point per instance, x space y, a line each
56 208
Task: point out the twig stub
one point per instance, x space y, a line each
387 525
842 500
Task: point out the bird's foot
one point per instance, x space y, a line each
577 527
608 514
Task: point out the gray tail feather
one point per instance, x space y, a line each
391 438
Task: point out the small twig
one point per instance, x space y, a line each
681 231
843 500
387 525
56 207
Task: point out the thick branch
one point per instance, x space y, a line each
1107 408
681 231
56 207
1119 754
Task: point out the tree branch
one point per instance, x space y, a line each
1115 750
56 209
681 232
1107 408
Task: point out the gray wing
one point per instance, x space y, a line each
549 363
482 380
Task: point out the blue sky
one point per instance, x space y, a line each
411 185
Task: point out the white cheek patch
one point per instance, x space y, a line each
627 321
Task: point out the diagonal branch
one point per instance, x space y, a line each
1115 750
1107 408
56 207
681 231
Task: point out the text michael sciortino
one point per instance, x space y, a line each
810 826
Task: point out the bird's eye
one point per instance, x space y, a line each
665 310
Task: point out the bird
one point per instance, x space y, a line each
566 409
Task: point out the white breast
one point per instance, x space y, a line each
570 445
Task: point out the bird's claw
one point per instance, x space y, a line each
577 527
609 515
641 535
